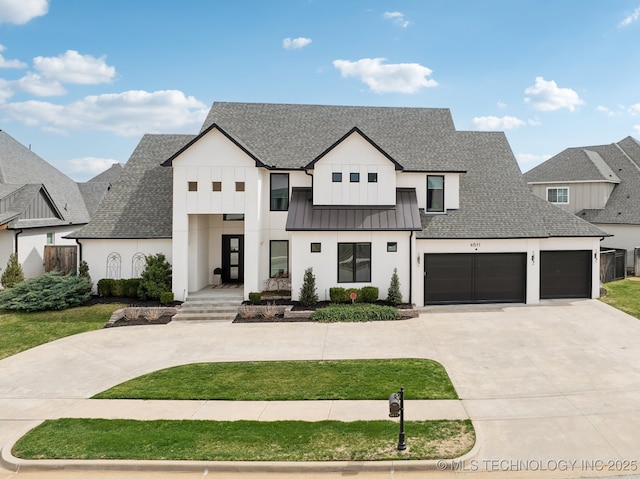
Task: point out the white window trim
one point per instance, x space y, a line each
558 188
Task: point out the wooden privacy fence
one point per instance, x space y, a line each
60 258
613 264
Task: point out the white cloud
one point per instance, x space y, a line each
529 160
22 11
88 167
4 63
397 18
546 96
636 128
295 43
534 122
633 17
71 67
131 113
634 110
390 78
501 104
37 85
496 123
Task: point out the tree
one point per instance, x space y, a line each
308 293
156 277
13 273
394 296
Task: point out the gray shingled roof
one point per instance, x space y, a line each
95 190
304 216
139 205
622 160
21 166
293 136
495 201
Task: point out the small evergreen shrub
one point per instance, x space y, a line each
118 288
83 270
355 313
105 287
156 277
131 286
394 296
369 294
166 297
338 295
255 298
51 291
13 273
308 293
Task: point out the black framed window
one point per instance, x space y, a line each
372 177
278 257
336 177
316 247
279 191
233 217
193 186
435 194
354 177
216 185
392 247
239 185
354 262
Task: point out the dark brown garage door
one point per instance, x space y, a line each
565 274
475 278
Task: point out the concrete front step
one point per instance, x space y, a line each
219 307
210 316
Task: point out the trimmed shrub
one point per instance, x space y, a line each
83 270
131 286
156 277
394 296
338 295
105 287
369 294
13 273
118 288
51 291
255 298
355 313
166 297
308 292
348 292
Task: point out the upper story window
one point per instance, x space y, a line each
239 185
354 177
193 186
372 177
435 194
279 191
558 195
336 177
216 185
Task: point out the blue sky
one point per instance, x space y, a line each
81 81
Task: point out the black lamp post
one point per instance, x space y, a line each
396 409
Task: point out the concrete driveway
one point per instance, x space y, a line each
553 387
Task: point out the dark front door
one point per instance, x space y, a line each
232 258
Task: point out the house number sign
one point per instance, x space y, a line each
475 245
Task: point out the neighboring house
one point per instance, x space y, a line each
600 184
353 192
39 206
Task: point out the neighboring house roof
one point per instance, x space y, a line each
621 166
22 168
294 136
139 204
305 216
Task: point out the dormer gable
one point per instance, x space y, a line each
354 171
29 203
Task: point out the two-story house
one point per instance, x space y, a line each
600 184
352 192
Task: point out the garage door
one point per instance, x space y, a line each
565 274
475 278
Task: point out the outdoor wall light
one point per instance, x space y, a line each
533 258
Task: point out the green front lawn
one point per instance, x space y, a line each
291 380
244 440
22 331
623 295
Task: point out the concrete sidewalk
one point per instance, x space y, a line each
551 388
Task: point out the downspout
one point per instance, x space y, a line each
79 250
410 267
15 241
